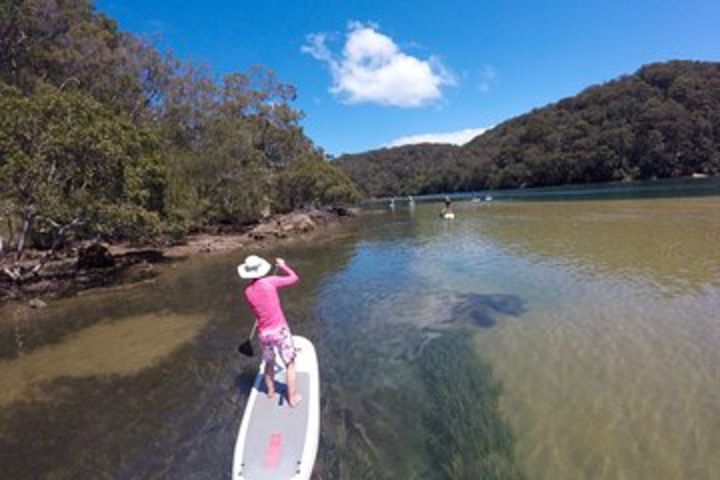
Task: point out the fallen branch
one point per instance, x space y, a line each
17 275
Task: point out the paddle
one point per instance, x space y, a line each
246 348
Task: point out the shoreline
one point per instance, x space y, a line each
120 266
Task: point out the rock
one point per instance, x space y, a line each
257 236
37 303
263 231
95 256
344 211
265 228
301 222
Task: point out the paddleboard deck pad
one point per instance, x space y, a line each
275 441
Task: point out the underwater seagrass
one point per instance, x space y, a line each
467 437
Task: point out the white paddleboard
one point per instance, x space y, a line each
449 216
275 441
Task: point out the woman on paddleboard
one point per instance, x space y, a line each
262 295
447 211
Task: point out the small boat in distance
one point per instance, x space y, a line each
700 175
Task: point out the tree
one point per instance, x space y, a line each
103 135
259 96
54 43
313 180
69 164
225 180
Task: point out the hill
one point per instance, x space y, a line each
662 121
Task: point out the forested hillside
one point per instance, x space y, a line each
662 121
103 136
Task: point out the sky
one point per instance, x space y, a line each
373 73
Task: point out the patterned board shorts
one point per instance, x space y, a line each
280 340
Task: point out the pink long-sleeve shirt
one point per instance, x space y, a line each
264 300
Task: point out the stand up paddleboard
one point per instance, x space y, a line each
276 441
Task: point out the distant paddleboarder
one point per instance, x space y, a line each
274 332
447 212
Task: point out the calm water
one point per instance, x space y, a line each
599 319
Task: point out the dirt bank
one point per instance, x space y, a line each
90 266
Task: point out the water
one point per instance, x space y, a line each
538 340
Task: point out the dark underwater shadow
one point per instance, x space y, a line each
481 309
244 382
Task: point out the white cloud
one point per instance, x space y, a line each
488 75
372 69
459 137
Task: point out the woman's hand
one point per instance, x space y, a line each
279 262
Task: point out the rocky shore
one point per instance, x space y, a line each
89 266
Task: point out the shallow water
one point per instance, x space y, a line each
599 318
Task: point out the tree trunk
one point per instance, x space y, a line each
10 232
59 238
26 221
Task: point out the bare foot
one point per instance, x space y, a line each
271 394
295 400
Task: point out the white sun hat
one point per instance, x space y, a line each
253 267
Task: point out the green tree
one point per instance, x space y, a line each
67 163
56 43
225 180
313 180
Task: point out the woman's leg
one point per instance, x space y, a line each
287 350
293 396
270 378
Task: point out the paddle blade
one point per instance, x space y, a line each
246 348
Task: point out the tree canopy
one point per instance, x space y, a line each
66 160
102 135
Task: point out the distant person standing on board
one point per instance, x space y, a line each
274 332
447 212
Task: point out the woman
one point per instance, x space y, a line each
447 211
261 293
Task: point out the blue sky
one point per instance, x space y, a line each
370 73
